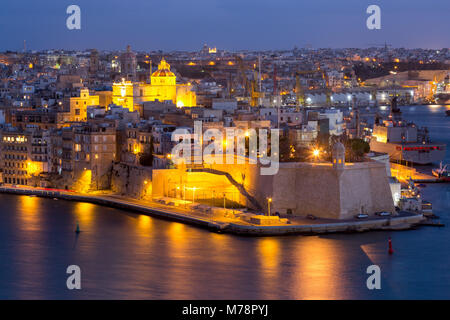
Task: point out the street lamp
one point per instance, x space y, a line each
269 201
224 199
316 152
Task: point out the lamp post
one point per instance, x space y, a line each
224 203
269 201
184 196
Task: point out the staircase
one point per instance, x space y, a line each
239 186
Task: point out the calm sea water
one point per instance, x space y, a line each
130 256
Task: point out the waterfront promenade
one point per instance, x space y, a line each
239 223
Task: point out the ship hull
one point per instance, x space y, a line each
411 152
442 97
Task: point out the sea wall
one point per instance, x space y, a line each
403 222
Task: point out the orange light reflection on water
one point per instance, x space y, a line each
29 213
319 269
268 252
84 213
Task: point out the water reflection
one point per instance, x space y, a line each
144 224
31 266
320 269
29 213
434 108
269 272
84 213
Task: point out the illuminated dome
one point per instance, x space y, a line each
163 70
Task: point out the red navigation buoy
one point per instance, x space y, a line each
391 251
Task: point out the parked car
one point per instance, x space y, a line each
361 216
310 216
383 214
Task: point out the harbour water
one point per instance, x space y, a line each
124 255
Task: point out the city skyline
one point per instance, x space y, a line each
172 25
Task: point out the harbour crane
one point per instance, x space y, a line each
300 94
250 87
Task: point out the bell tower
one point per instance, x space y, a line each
338 156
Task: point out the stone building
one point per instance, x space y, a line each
128 64
15 156
81 156
336 190
24 156
162 87
42 117
78 105
135 142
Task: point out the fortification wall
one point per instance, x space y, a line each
298 188
365 188
133 181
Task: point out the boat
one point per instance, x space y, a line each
442 173
405 141
427 208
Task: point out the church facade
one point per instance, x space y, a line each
162 87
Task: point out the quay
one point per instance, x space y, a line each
295 226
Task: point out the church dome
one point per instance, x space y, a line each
163 70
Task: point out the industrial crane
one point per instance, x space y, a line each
250 87
300 94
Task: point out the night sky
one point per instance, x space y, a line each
227 24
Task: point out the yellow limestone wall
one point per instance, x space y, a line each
173 182
303 188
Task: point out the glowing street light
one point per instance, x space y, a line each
316 153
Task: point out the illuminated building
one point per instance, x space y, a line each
123 94
136 142
83 155
78 105
24 155
162 87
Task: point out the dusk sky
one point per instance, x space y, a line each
227 24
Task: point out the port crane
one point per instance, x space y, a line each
300 94
250 86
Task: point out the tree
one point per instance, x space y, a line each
359 147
